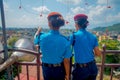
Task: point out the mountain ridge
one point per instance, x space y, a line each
114 27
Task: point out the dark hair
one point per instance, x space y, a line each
56 21
82 22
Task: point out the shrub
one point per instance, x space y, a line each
3 74
110 58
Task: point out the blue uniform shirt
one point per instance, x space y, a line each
84 44
54 47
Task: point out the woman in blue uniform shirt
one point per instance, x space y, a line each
55 50
85 47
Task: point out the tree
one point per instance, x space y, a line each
110 58
110 44
10 42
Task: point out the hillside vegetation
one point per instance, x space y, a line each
114 27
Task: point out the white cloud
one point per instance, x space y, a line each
43 9
78 10
113 18
69 17
94 13
74 2
6 10
27 20
102 16
97 12
6 7
102 1
113 3
97 15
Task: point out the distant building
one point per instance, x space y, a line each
118 38
1 35
114 36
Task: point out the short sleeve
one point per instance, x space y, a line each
36 39
95 42
68 52
71 39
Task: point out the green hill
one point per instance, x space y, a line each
114 27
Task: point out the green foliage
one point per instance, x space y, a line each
99 29
115 27
110 44
110 58
11 41
3 74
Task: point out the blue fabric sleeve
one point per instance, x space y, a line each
36 38
71 39
68 52
96 42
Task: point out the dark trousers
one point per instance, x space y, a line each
53 73
85 73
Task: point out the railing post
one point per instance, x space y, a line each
111 74
27 69
103 63
38 67
9 77
18 71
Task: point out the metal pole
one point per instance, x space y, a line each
8 77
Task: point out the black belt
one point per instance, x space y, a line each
84 64
52 65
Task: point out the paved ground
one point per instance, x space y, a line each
32 73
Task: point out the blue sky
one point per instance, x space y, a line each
29 14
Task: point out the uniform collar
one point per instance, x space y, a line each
82 29
54 31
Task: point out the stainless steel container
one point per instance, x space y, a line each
1 54
24 43
16 56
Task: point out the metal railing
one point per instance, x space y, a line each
111 65
27 64
102 65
